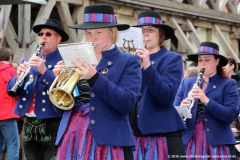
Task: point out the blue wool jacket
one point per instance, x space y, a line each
113 96
160 82
43 106
219 113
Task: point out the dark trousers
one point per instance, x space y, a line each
39 138
176 148
233 152
128 154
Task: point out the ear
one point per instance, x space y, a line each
112 32
217 60
10 59
232 66
59 39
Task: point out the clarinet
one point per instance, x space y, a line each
12 91
192 100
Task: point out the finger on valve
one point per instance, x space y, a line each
57 69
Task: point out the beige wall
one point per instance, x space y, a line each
126 19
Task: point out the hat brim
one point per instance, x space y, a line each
95 25
63 34
194 57
169 31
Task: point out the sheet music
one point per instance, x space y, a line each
183 111
83 50
133 33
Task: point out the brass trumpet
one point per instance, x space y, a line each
64 83
61 96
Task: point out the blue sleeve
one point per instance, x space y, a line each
164 83
123 96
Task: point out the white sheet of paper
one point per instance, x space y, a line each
133 33
183 111
83 50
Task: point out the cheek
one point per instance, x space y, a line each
156 38
87 38
105 40
211 67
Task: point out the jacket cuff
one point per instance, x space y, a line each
92 80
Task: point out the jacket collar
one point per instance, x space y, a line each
211 84
107 59
159 53
51 55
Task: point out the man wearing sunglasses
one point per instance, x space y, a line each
41 120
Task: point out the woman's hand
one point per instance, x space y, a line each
198 93
58 67
83 68
184 102
145 57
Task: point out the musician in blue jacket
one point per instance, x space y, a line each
41 120
215 106
97 127
156 124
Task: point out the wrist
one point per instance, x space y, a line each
43 71
145 67
206 103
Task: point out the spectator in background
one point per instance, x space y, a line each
8 121
15 65
184 64
191 71
230 68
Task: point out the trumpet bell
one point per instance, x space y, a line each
61 96
61 99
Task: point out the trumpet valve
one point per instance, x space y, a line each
60 103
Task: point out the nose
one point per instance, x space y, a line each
202 63
94 38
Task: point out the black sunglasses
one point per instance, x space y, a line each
48 34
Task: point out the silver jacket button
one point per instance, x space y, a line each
92 121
